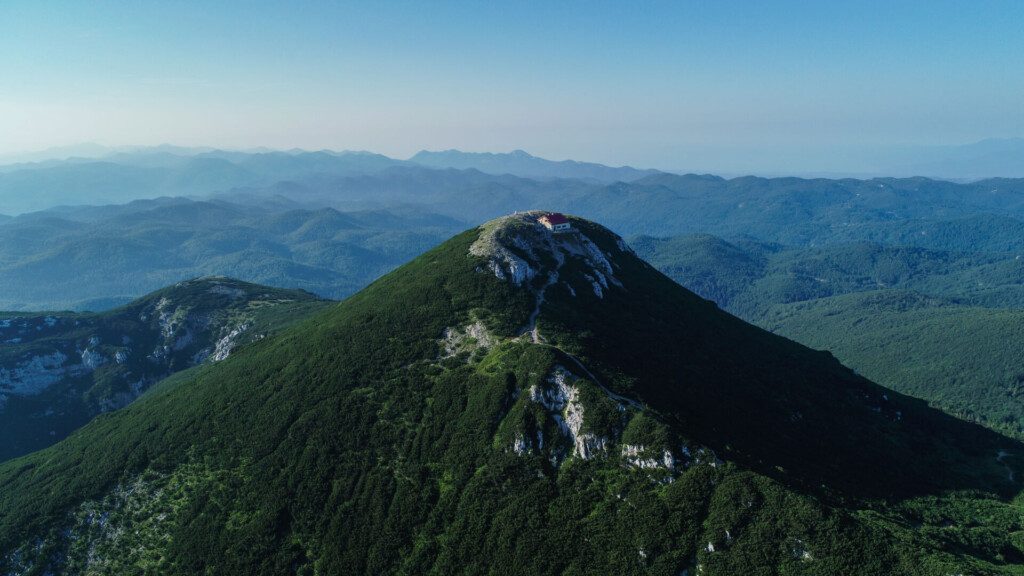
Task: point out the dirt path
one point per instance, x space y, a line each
531 324
579 364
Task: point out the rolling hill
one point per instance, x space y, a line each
528 403
95 257
745 276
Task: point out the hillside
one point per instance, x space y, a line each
527 403
59 369
745 276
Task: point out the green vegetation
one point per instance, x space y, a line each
746 276
353 443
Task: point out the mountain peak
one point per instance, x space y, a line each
538 249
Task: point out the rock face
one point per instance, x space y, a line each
520 249
561 398
472 337
34 374
572 417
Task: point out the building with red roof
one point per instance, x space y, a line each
555 222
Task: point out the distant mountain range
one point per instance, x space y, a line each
519 163
122 175
331 233
1003 157
989 158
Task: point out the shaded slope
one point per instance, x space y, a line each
775 402
963 358
939 325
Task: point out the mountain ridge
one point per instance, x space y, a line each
59 369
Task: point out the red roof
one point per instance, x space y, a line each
555 218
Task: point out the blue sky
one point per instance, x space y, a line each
694 85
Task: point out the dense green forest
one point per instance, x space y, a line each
522 402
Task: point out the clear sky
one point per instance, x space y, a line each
684 84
